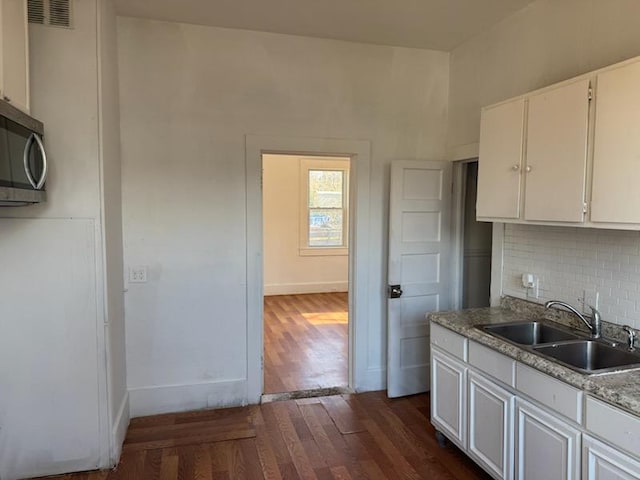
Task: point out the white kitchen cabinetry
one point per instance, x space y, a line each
601 462
491 426
501 160
546 446
449 397
556 155
616 167
14 53
545 156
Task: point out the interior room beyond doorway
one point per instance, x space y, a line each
306 272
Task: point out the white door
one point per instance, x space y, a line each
556 168
616 176
546 446
449 398
491 426
419 268
500 161
601 462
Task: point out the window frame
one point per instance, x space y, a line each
332 164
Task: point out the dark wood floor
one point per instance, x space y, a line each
364 436
305 342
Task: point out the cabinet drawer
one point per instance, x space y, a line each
492 363
449 341
553 393
613 425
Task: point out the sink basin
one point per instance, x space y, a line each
589 356
530 333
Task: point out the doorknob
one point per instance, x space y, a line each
395 291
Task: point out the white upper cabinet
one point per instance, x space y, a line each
616 159
500 162
535 144
567 154
14 53
556 158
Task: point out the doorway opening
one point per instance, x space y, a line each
476 242
306 268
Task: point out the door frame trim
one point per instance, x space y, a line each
359 248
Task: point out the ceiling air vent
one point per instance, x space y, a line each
56 13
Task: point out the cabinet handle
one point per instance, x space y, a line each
529 168
515 168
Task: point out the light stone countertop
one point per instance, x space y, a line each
619 389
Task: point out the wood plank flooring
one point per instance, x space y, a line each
305 342
364 436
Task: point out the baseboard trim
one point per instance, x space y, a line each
300 288
154 400
119 430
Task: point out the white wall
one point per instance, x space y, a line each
189 95
547 42
285 270
58 397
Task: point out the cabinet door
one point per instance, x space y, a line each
449 397
546 446
616 170
491 426
601 462
500 162
14 48
556 158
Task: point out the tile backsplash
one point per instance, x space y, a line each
570 263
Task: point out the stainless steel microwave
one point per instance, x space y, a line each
23 160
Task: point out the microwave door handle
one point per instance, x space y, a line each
43 176
27 149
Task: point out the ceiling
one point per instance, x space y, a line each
432 24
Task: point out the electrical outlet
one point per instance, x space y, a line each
138 274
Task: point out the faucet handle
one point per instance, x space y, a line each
632 337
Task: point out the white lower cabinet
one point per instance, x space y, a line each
449 397
602 462
519 423
546 446
491 426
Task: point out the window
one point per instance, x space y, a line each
324 219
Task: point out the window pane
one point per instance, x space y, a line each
325 227
325 188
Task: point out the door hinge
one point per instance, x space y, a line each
590 94
585 207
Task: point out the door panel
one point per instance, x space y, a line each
500 161
491 426
546 446
557 154
449 398
616 176
601 462
419 225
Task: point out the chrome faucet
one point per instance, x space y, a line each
595 325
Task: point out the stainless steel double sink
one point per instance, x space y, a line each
567 347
